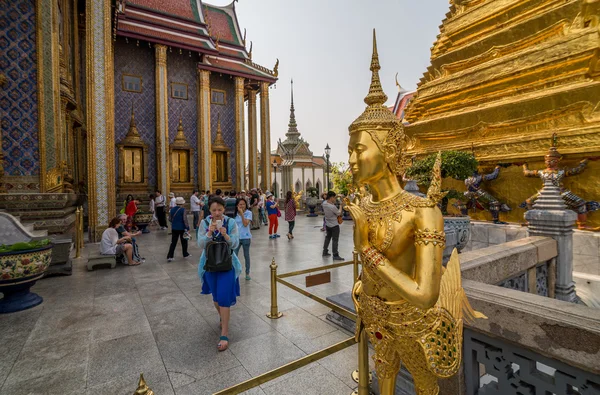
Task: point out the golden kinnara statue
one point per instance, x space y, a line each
411 308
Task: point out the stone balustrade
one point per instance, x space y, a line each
530 344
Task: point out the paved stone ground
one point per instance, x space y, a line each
96 331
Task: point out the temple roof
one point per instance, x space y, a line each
401 102
193 26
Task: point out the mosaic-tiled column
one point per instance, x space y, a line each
265 136
240 141
162 119
100 116
204 135
252 141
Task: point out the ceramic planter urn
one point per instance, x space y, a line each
142 219
19 270
311 203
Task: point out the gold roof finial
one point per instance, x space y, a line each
143 387
276 68
219 142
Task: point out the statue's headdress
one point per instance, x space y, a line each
377 120
553 152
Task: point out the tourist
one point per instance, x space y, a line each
218 193
230 204
195 207
173 201
159 205
261 206
128 199
332 227
290 213
123 231
152 205
254 201
243 218
131 209
111 244
180 229
224 286
272 211
323 200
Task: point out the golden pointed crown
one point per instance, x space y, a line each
376 115
553 151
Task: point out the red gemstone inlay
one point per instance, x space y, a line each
378 335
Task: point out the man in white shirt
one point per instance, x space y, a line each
112 245
195 207
331 226
172 203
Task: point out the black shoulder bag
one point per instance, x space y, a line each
218 254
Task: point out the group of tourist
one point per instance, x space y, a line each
220 219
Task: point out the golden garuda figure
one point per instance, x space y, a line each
411 308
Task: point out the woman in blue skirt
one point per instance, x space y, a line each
224 286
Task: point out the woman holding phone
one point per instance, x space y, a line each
224 286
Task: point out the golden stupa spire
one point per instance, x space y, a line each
180 136
375 95
132 132
219 141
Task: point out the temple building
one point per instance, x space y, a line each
504 77
99 99
294 167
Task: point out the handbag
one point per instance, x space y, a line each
218 255
278 211
187 235
340 219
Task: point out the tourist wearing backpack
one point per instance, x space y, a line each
219 269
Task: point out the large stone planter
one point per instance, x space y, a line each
462 227
311 203
19 270
142 219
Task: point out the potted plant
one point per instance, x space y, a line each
455 164
312 200
21 265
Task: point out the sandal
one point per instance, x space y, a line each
221 347
134 263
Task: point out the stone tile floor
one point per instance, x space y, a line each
96 331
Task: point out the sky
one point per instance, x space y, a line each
326 46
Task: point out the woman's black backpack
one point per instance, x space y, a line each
218 254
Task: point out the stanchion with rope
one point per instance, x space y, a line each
80 230
274 314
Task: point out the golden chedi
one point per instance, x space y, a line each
504 76
409 305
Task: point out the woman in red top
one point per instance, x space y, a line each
290 213
130 211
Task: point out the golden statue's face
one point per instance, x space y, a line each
367 161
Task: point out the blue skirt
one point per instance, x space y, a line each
223 286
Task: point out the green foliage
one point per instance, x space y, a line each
312 192
23 246
456 164
341 177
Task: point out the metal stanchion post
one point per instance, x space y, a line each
364 376
81 234
77 234
355 260
274 314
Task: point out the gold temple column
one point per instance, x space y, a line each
265 136
252 141
204 134
100 116
240 141
162 119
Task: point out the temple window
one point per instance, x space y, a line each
180 160
132 83
218 97
179 90
221 169
134 164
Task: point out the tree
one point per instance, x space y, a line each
341 177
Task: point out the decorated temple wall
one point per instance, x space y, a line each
18 97
512 188
225 83
139 61
182 69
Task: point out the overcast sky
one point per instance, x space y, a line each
325 46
